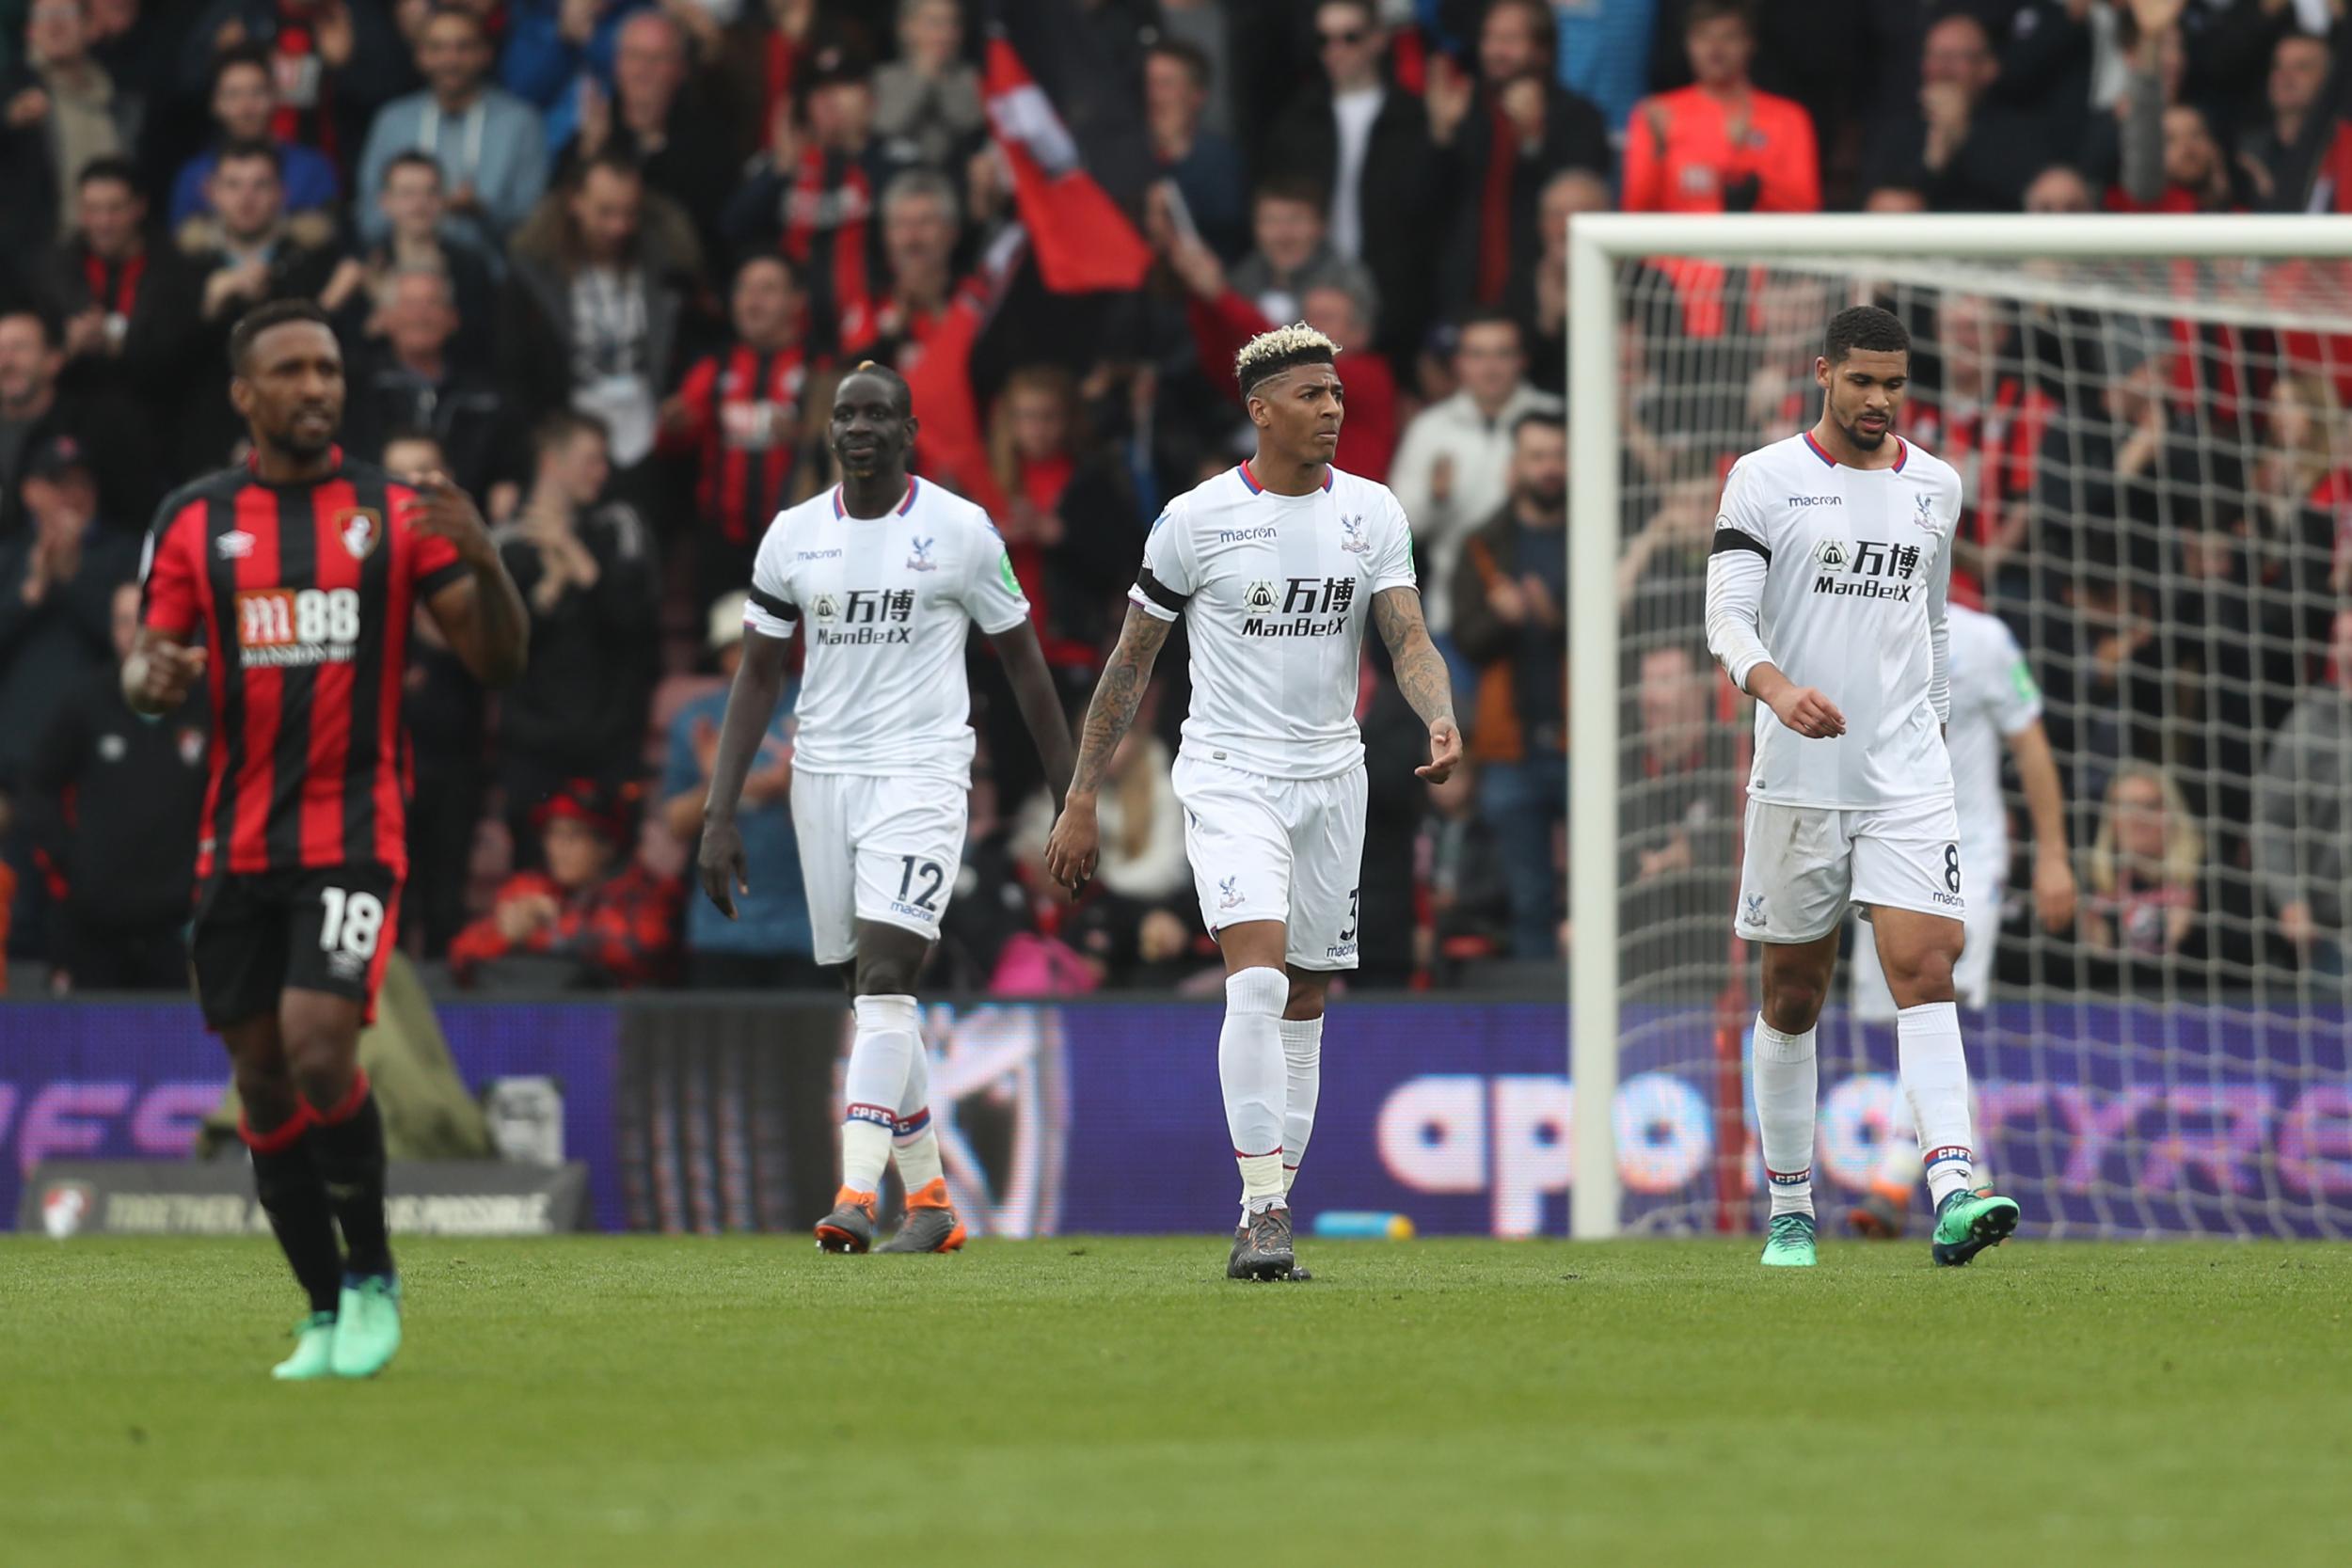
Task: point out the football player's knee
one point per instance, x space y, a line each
1306 998
266 1089
1924 974
323 1060
1792 1002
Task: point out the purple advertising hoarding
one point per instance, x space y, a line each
2101 1119
126 1081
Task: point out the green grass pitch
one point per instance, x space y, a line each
597 1400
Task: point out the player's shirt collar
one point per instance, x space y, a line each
253 468
1257 489
900 510
1903 452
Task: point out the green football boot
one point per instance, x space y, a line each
367 1330
1968 1222
1788 1241
314 1350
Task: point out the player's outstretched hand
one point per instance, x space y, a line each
448 513
2054 888
1445 752
1071 847
721 865
166 672
1807 712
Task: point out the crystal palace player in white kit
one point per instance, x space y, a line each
1275 565
1825 601
886 575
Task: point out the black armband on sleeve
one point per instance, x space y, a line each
775 607
1160 594
1729 539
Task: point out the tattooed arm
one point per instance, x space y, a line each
1421 674
1070 853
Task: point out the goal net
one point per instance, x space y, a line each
2158 466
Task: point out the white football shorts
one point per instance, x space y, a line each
1804 866
1983 872
885 850
1286 849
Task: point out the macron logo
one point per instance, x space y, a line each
1817 500
1235 535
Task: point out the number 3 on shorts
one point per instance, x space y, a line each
1951 867
353 920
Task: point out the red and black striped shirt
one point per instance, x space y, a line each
302 596
744 413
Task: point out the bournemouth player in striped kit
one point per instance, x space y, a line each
290 583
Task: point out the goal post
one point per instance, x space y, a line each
2100 273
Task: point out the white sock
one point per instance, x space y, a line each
912 1139
1788 1085
1249 1066
880 1056
1302 1064
1936 1081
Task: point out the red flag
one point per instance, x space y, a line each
1083 242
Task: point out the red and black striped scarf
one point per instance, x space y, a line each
827 216
114 286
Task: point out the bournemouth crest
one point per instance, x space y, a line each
359 528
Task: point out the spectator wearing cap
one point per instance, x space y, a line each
57 579
1500 137
59 108
490 144
245 109
112 801
1205 167
815 192
596 918
586 572
738 416
673 136
927 101
767 947
1364 140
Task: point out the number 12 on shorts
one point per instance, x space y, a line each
933 879
354 920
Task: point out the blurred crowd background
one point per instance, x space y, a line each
601 260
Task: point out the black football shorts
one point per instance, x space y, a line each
327 929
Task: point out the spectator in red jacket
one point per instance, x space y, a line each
593 926
1718 145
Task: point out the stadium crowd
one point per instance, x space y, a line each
601 260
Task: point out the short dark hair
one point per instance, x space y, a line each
413 157
52 332
231 59
901 395
1539 20
1537 418
464 13
1718 10
244 151
564 426
111 167
1865 328
1291 187
1489 315
276 312
1189 55
754 257
612 161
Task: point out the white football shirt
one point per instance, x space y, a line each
1994 697
1275 591
1856 565
886 603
